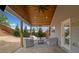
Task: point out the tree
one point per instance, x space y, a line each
40 33
16 31
3 20
25 32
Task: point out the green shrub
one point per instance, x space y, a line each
25 32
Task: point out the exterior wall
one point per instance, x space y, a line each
3 33
65 12
75 34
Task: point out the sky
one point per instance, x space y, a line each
13 21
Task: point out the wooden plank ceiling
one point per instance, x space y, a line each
40 15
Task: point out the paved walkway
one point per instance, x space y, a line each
41 48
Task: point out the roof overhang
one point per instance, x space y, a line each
30 14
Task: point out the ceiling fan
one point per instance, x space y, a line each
42 8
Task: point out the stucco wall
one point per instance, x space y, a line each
62 13
75 34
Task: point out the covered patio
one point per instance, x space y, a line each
38 15
62 17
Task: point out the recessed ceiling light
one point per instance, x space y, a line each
46 17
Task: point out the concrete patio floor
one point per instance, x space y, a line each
41 48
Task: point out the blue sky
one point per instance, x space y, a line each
13 21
